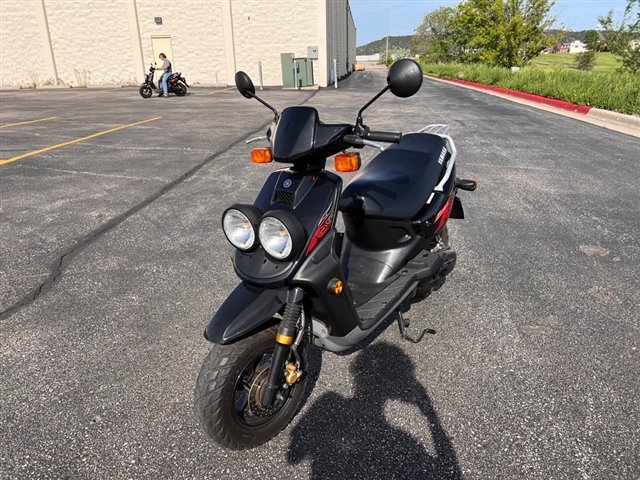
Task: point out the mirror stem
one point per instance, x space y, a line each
359 119
275 112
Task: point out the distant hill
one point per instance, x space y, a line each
406 41
569 36
378 46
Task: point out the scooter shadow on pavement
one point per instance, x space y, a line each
351 437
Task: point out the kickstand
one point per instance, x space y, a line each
402 323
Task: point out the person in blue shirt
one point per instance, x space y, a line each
166 66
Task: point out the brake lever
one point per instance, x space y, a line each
369 143
359 142
255 139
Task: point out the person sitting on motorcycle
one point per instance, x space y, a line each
166 66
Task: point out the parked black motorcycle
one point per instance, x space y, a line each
176 83
302 281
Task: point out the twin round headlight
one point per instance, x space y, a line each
279 232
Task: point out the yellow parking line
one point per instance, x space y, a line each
77 140
218 91
24 123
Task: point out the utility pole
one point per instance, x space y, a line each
386 55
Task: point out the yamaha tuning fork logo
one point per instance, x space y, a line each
287 183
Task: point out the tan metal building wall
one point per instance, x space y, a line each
111 42
341 41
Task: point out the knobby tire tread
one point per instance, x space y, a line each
211 398
210 404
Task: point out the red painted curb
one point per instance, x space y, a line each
572 107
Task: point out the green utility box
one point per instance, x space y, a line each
288 70
296 72
304 71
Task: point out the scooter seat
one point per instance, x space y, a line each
397 183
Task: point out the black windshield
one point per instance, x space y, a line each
300 132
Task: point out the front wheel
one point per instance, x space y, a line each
230 388
181 90
146 91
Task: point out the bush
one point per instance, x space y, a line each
619 92
584 60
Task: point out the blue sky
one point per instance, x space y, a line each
377 18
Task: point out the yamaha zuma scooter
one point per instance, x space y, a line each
176 83
303 282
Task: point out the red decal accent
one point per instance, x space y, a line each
321 230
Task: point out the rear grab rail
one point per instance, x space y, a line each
442 130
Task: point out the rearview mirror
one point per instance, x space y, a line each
246 88
245 85
405 78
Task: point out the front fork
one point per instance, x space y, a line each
287 334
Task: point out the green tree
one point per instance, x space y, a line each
613 36
631 52
396 53
618 38
504 33
436 38
631 60
591 38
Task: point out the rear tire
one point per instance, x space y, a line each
146 91
228 390
181 90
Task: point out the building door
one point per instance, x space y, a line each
162 44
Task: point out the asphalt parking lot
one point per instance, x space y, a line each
113 261
127 150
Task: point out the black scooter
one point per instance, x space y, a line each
176 83
302 281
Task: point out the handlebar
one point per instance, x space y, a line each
389 137
369 136
354 140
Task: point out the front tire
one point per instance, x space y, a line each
146 91
229 388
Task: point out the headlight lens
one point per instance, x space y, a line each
275 238
238 228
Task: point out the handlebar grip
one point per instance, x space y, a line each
353 140
389 137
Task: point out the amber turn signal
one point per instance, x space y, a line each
347 162
261 155
335 286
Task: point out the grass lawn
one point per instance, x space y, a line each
603 62
610 90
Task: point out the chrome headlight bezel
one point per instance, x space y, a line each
245 217
281 235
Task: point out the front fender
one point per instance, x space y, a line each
244 310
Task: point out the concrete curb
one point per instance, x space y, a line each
615 117
563 104
620 122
